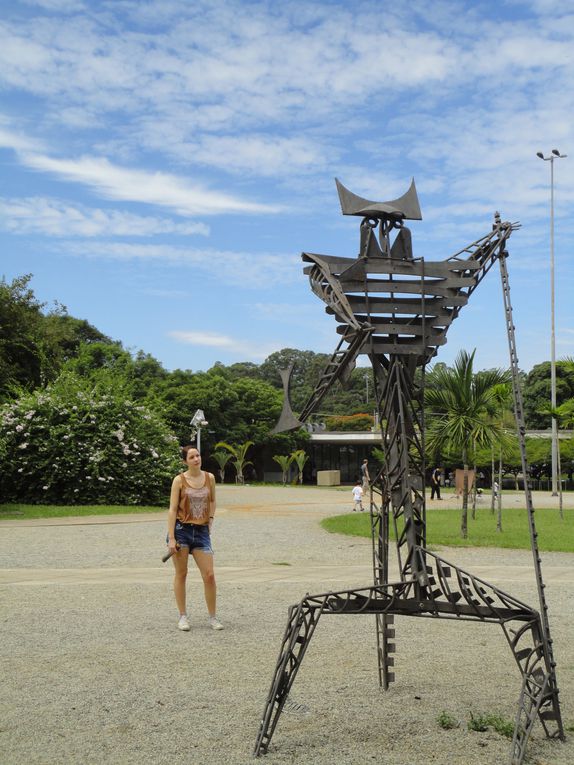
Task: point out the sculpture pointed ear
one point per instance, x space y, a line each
287 420
406 206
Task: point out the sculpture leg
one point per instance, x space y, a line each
539 694
301 624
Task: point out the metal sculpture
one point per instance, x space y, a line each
397 309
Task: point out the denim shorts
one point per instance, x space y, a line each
193 536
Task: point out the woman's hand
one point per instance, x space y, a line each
172 546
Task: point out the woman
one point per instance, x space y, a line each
189 521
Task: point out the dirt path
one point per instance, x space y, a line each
95 671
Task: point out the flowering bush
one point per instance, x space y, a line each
73 444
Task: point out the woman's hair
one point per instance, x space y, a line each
185 449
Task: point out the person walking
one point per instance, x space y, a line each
189 522
358 497
365 477
435 483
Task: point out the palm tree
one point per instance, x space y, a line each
300 458
239 453
284 463
460 401
222 458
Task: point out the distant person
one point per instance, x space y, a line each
189 521
365 477
495 489
435 483
358 497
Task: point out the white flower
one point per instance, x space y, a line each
45 488
20 470
19 428
23 446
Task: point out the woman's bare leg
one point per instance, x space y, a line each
180 560
204 562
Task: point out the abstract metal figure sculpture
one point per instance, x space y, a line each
397 309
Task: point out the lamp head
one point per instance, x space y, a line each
540 154
556 152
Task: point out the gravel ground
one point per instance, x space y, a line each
94 670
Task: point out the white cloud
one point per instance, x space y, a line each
249 350
239 269
54 218
155 188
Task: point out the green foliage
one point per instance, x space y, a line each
238 410
222 458
284 463
78 444
461 402
378 455
239 453
447 721
483 722
351 422
536 392
300 457
34 344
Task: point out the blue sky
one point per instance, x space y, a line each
164 164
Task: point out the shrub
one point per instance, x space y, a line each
72 443
482 723
350 422
447 721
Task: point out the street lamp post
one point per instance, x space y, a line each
197 422
555 154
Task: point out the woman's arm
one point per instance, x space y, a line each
211 499
172 513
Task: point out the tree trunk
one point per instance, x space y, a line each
500 486
464 516
492 481
559 466
474 495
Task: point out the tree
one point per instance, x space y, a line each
239 452
460 401
222 458
34 344
300 457
537 391
284 463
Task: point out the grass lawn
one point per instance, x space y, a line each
443 528
21 512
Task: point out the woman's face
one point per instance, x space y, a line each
193 458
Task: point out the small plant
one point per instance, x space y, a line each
478 723
447 721
482 723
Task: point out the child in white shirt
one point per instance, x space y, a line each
358 497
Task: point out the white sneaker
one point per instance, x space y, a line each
183 623
214 623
